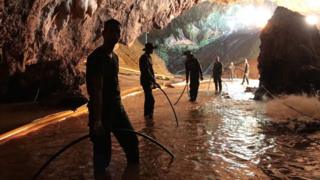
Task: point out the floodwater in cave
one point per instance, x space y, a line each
219 137
223 137
228 136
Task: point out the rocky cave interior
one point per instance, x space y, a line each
44 44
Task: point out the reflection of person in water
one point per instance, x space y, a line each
106 112
131 172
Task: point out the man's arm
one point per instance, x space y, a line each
222 69
94 87
151 70
213 69
200 70
187 71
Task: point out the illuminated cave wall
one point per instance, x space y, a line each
227 30
211 29
43 41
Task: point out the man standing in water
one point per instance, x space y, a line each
194 71
216 74
106 112
246 72
231 68
147 80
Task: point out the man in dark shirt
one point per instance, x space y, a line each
147 80
194 71
216 74
106 112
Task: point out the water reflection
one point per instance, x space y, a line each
220 139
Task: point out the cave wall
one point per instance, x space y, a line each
289 59
61 33
234 47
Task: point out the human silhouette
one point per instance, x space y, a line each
216 74
246 72
194 71
147 80
231 69
106 112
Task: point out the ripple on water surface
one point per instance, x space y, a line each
219 139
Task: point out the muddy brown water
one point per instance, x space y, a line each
220 137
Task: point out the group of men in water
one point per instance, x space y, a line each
194 71
106 112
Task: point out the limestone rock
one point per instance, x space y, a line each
289 60
66 31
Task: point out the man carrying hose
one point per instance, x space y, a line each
194 71
106 112
147 80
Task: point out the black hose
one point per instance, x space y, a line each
150 139
174 111
37 95
58 153
184 89
47 163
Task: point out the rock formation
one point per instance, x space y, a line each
233 47
205 29
44 40
289 61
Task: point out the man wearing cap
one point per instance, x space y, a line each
106 112
194 71
147 79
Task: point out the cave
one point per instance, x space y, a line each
265 129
